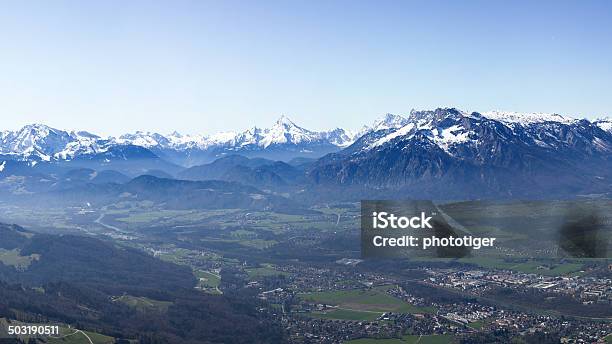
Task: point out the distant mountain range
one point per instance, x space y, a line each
283 141
444 153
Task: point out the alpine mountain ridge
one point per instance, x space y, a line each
454 154
282 141
441 153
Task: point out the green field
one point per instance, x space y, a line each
155 215
138 215
243 234
375 299
540 267
208 282
70 336
477 325
555 270
545 267
208 279
15 259
264 271
346 314
144 304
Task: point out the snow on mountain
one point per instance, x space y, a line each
385 122
448 153
339 137
37 140
219 139
82 143
425 122
527 118
605 124
143 139
285 131
397 133
389 121
448 137
454 131
41 142
446 128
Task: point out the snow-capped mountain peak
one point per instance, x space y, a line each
388 121
37 140
143 138
604 123
285 131
82 133
385 122
425 122
457 132
339 137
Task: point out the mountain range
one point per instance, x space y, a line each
455 154
442 153
283 141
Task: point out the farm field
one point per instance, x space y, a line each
265 270
546 267
71 336
15 259
208 282
375 299
144 304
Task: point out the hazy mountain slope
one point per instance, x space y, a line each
258 172
171 193
182 194
219 167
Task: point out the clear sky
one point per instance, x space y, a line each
205 66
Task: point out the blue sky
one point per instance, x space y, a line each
205 66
